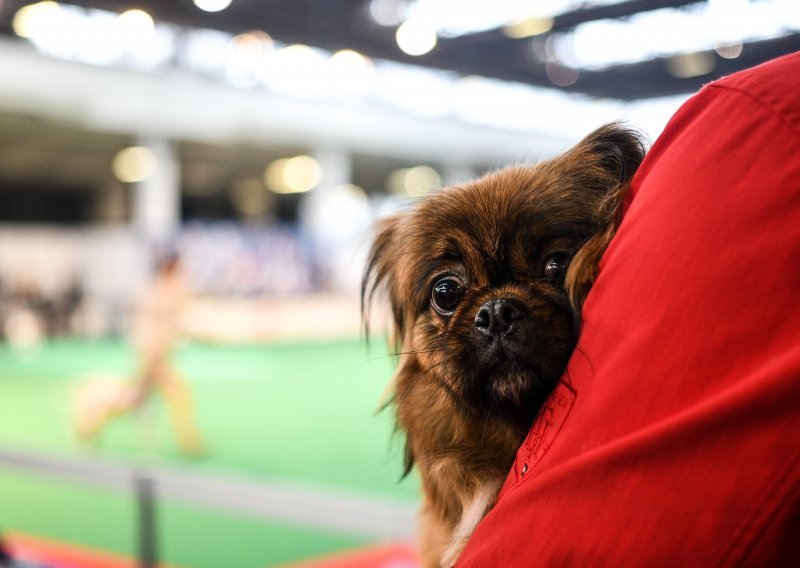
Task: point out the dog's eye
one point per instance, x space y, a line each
555 266
446 294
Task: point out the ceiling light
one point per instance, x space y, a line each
247 57
137 30
415 38
730 51
340 213
297 70
134 164
212 5
293 175
36 19
350 63
561 75
206 50
413 88
528 27
386 12
695 28
136 22
415 182
255 42
350 72
686 65
454 18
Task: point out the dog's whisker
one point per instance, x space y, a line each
441 363
402 353
402 396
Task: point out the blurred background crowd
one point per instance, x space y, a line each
262 138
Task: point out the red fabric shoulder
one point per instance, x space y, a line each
680 446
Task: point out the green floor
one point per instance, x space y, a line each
303 412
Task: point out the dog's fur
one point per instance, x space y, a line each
512 255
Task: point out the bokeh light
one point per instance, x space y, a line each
297 70
386 12
37 19
212 5
688 65
414 182
415 38
136 27
293 175
247 57
342 212
350 72
561 75
134 164
528 27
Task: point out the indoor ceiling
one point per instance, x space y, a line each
503 52
28 143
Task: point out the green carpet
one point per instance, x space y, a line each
299 411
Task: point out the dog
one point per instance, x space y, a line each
486 281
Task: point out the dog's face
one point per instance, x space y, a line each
486 279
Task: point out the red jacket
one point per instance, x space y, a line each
674 437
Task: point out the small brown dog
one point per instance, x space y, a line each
486 281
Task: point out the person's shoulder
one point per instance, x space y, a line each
779 73
774 84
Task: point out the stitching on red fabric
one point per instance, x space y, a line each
539 440
762 103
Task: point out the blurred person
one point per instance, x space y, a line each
157 328
672 439
23 324
63 306
5 303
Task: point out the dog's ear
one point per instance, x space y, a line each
618 150
610 157
380 274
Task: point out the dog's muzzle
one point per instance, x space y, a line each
497 318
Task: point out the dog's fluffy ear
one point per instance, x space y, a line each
380 276
619 150
611 155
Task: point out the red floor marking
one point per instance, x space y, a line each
393 555
60 554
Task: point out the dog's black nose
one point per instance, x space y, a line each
496 317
